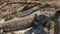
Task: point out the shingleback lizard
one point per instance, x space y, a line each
25 22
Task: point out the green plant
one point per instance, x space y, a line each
19 14
49 24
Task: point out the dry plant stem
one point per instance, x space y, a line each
1 31
3 5
17 24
